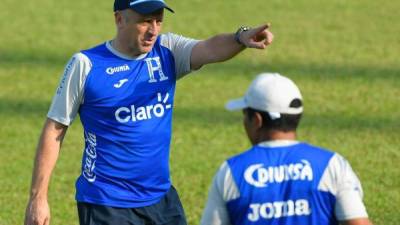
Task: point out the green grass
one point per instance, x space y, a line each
344 55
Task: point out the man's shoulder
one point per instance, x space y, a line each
100 50
167 39
299 150
240 157
79 62
173 40
316 149
168 35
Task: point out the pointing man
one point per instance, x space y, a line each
123 91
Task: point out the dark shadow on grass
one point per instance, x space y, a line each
23 107
208 117
236 66
33 58
204 117
306 70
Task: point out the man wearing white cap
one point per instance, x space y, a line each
280 180
123 91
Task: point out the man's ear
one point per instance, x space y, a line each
257 120
118 17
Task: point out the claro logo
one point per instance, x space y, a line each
134 113
112 70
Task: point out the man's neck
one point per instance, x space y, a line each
119 45
280 135
276 136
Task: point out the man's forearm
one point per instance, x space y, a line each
225 46
215 49
44 164
46 157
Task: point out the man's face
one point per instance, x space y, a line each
139 31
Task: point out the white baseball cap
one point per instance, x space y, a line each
272 93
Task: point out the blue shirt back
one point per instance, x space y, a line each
279 185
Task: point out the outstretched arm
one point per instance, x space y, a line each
224 46
38 211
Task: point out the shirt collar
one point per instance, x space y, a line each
277 143
121 55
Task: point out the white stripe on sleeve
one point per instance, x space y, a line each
181 48
340 180
69 94
223 189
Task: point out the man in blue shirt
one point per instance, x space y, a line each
280 180
123 90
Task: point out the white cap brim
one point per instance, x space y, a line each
236 104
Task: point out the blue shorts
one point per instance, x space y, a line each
168 211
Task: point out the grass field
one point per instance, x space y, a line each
344 55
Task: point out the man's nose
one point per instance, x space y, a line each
153 27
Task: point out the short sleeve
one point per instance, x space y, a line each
181 48
69 94
340 180
222 190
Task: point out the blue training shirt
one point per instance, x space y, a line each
279 185
125 106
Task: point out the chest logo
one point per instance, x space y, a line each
112 70
120 83
136 113
153 66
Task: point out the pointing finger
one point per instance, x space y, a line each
262 27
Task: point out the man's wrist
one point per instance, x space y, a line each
239 33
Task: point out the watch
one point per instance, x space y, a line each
239 32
